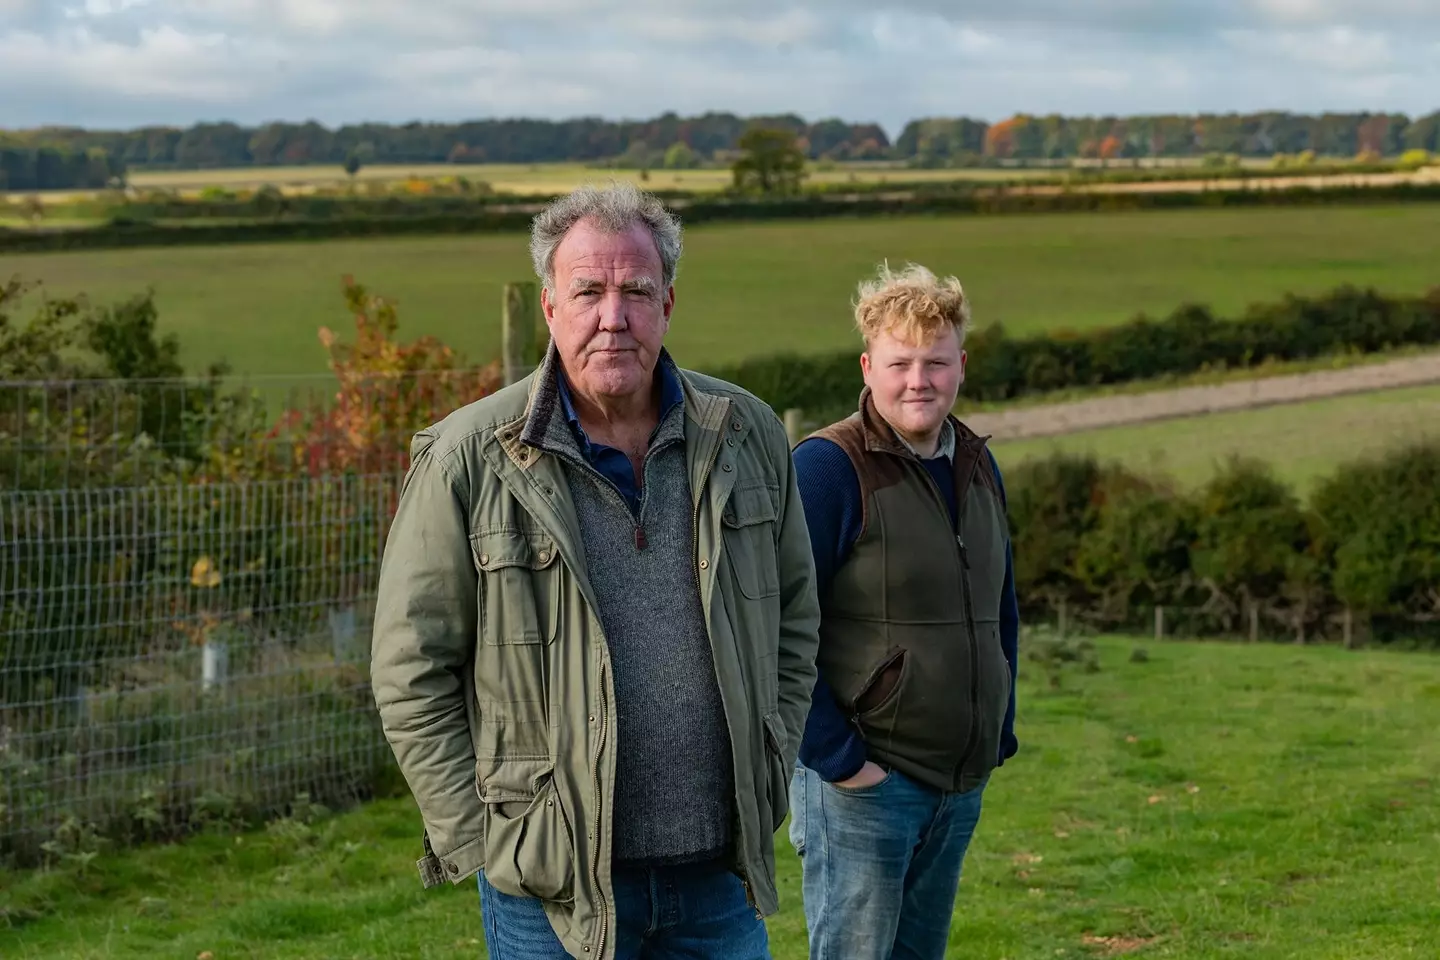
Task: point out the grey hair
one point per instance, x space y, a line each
614 210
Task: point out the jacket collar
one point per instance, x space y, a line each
705 414
550 418
880 437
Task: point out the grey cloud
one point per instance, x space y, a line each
127 62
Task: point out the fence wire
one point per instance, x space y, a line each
186 591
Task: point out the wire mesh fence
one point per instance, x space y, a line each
187 576
186 588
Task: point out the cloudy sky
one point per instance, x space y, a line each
123 63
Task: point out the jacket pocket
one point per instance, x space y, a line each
529 844
882 686
748 522
519 599
777 774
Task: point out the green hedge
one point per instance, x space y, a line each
1112 545
494 217
1190 340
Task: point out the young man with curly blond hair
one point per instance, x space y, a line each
914 705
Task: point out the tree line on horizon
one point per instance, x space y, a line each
671 140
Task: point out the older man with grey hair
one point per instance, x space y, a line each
596 625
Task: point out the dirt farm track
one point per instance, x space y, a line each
1112 411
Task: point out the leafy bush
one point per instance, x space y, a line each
1253 538
1378 525
1191 340
1112 544
320 218
1139 552
152 530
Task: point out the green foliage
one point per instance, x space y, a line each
1378 532
771 163
680 156
1138 554
91 376
929 141
1114 544
1055 502
1253 538
36 348
205 522
51 167
1191 340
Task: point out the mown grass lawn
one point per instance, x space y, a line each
758 288
1219 800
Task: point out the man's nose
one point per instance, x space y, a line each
612 311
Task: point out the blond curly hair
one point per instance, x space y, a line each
913 305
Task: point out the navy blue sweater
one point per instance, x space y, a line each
830 491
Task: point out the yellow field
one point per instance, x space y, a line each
513 178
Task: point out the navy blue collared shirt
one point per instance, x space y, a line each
613 464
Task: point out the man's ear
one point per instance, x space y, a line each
547 307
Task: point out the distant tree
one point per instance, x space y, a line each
1000 138
770 162
638 156
353 163
680 156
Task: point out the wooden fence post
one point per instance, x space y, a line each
1254 621
522 344
1159 622
793 416
1349 624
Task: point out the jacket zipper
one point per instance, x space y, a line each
971 741
974 738
974 660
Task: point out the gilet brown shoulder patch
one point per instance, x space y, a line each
875 472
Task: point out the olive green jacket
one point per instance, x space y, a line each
491 673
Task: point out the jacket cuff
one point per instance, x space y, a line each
457 866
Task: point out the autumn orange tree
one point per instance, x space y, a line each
386 390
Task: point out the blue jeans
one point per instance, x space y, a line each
695 912
881 865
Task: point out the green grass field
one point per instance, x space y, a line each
1284 807
747 289
1303 441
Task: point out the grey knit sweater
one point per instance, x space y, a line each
674 784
